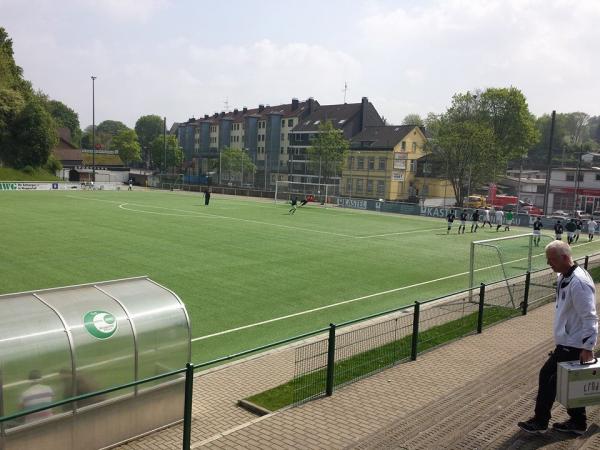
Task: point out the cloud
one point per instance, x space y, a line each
543 47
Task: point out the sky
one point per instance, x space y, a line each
183 59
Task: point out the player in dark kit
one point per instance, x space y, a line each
294 203
558 230
571 227
579 224
463 221
450 217
475 221
537 231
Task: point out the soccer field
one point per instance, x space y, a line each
248 272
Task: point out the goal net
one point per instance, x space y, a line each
323 194
498 260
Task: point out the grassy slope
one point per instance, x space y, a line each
234 263
7 174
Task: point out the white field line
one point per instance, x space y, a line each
344 302
188 213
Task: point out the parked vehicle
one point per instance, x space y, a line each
475 201
532 210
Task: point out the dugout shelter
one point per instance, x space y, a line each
69 341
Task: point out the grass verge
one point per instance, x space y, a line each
313 384
8 174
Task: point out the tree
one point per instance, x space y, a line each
236 161
413 119
148 128
479 134
31 138
328 151
126 142
174 152
65 117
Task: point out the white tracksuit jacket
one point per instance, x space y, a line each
576 322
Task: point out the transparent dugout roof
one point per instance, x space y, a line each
58 343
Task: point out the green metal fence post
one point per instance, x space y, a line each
415 333
480 315
187 406
526 294
585 264
330 360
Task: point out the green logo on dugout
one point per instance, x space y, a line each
8 186
100 324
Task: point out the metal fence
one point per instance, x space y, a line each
346 356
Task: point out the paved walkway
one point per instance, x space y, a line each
465 395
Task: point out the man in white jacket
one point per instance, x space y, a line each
575 334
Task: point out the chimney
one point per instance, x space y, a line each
245 110
222 113
206 116
191 119
261 108
311 105
294 104
235 111
363 113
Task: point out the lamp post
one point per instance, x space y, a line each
93 129
519 186
165 143
219 166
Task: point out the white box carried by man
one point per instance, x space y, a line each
578 384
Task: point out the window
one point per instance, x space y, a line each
382 163
403 146
369 186
380 188
414 147
350 162
282 136
281 151
371 164
361 163
598 177
290 122
359 186
571 177
283 123
413 165
348 185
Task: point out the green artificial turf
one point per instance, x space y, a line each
239 264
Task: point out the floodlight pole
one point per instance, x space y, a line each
93 129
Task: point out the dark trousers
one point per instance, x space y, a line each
547 385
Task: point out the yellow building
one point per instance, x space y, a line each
389 162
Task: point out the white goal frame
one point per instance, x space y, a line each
284 190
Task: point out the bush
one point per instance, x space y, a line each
53 165
28 170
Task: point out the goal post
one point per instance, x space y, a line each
500 259
314 192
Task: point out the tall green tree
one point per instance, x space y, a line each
31 138
126 142
413 119
479 134
174 153
236 163
65 117
328 151
148 128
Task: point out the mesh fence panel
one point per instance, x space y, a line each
366 350
445 320
310 371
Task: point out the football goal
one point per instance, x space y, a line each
323 194
498 260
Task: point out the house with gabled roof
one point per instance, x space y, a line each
390 162
349 118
